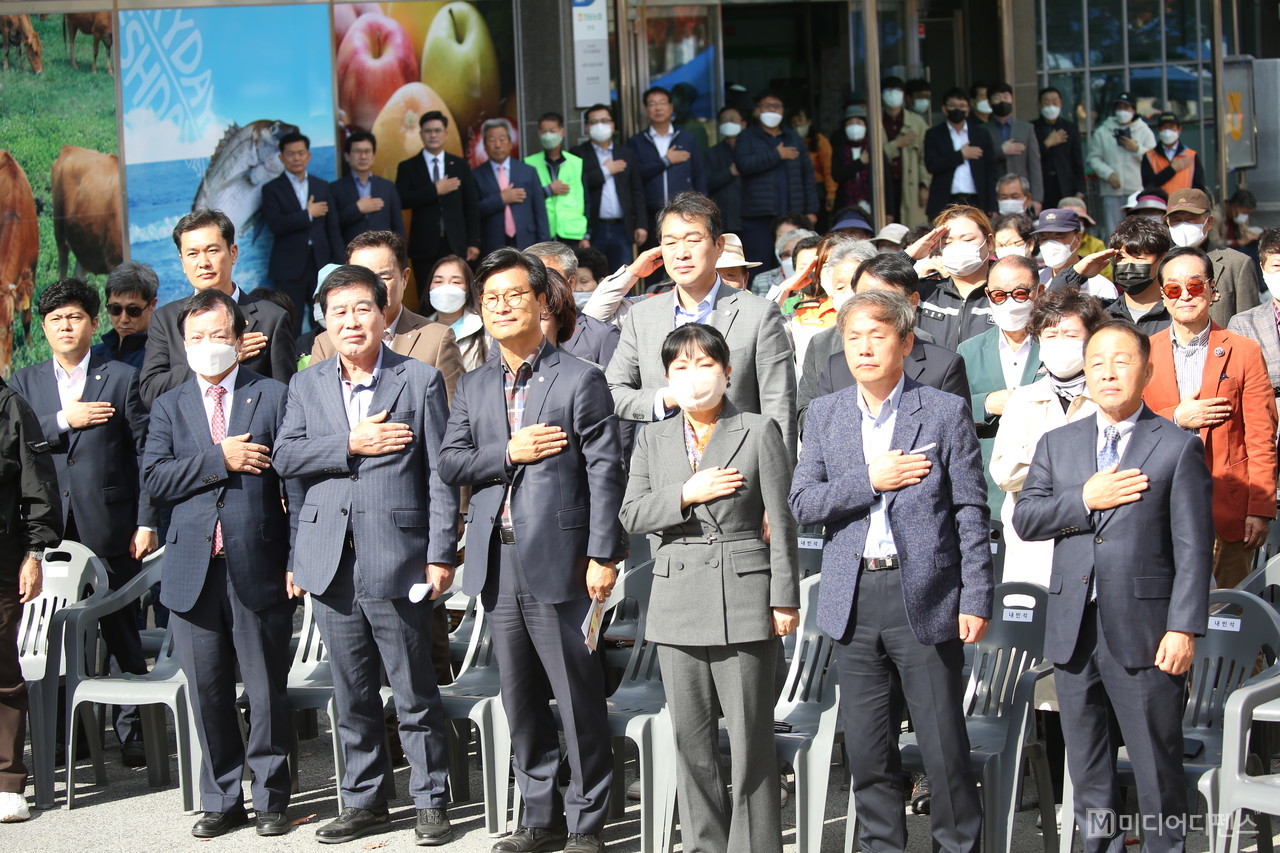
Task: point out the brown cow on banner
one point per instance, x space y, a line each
96 24
17 30
85 186
19 252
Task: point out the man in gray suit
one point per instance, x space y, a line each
1121 632
764 374
1017 151
226 558
362 434
1260 323
534 433
906 569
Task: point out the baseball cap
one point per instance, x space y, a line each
1078 205
855 111
1191 201
852 219
1057 220
1165 118
1123 97
893 233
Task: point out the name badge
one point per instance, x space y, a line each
1018 614
1224 623
812 543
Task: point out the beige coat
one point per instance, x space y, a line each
914 175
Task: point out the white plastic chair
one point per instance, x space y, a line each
1237 789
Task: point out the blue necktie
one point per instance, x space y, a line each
1110 453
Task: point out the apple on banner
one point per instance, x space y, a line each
375 60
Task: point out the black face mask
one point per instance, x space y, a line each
1001 109
1133 278
956 116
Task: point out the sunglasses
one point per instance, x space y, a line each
998 297
134 311
1194 287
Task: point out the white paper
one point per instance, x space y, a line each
591 624
420 592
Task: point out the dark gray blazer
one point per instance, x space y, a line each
720 590
1235 277
399 511
1153 558
940 526
1260 325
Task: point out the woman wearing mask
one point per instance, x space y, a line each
956 307
820 153
1003 358
851 162
1013 235
712 483
723 183
450 295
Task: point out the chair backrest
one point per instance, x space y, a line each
642 666
68 571
1014 643
1241 626
810 677
1264 581
82 634
310 650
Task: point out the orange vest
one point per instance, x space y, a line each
813 313
1180 180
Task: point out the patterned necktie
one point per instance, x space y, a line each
508 219
218 428
1110 453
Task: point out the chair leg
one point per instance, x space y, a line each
70 757
1067 835
42 745
459 772
1039 761
851 822
95 744
1208 789
339 766
155 744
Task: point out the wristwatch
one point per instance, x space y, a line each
36 554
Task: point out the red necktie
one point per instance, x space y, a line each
508 220
218 428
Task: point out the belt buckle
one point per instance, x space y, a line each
506 536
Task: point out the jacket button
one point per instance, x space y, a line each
71 461
1097 540
344 512
355 477
221 504
66 494
1084 579
713 562
208 538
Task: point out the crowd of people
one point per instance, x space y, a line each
997 371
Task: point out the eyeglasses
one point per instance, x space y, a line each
115 309
998 297
511 297
1194 287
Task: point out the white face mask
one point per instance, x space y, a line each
1010 316
448 298
802 129
601 133
892 98
581 299
317 316
1011 205
730 129
1063 357
856 151
1051 113
984 106
1009 251
1241 219
1272 281
1124 116
963 258
825 281
839 299
1187 234
1056 254
771 119
550 140
209 358
920 105
1169 137
698 390
788 267
855 132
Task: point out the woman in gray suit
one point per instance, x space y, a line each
712 483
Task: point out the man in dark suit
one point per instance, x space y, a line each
1061 155
906 570
206 241
1121 632
299 210
616 216
960 155
826 367
362 435
513 207
534 433
439 189
225 579
669 158
94 421
364 201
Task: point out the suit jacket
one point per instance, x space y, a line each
165 366
1169 530
400 513
419 339
1064 161
184 470
457 210
351 222
663 182
627 182
593 341
564 509
720 590
1259 324
98 467
1026 164
30 507
982 365
764 373
297 234
940 526
1241 453
941 160
530 215
927 364
1235 277
132 350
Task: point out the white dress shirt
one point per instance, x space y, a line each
877 435
301 189
357 397
683 317
228 382
70 387
610 205
435 164
962 178
1013 361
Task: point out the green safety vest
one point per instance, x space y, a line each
566 214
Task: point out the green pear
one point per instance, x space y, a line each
460 63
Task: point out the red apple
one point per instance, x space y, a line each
376 58
345 14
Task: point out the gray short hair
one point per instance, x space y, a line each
791 237
565 257
491 124
885 306
1010 178
849 249
133 277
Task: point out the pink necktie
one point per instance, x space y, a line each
218 428
508 220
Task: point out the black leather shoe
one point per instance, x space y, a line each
531 839
132 754
271 823
433 828
580 843
352 824
214 824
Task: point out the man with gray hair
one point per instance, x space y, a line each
783 248
1013 194
512 205
906 569
591 340
131 297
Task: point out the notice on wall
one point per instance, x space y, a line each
591 52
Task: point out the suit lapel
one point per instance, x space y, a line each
96 375
725 309
249 307
388 387
246 401
906 427
1032 366
331 396
540 383
1142 441
726 439
1215 364
914 362
192 407
1164 381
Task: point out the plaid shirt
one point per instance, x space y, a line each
516 386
